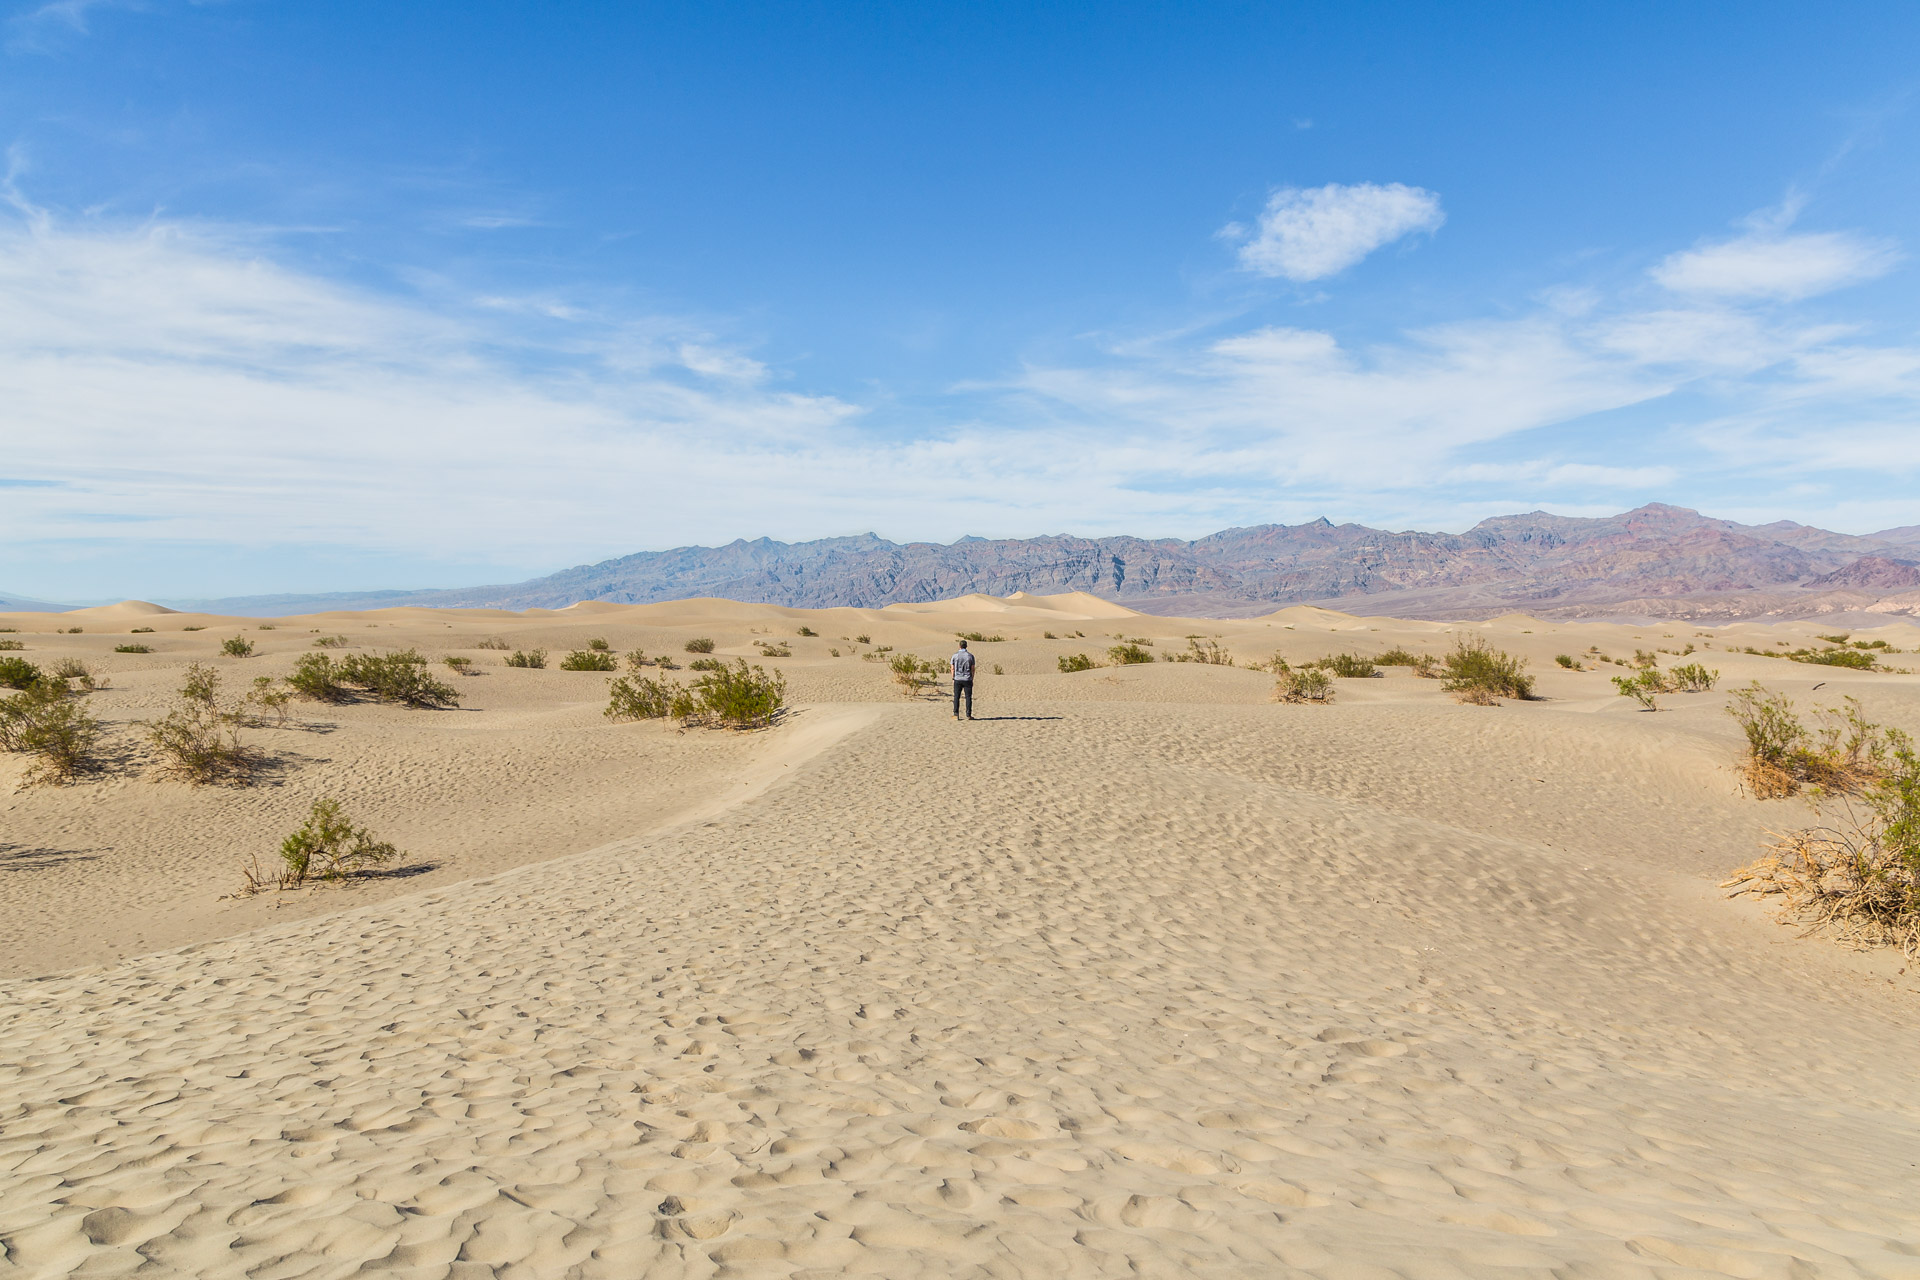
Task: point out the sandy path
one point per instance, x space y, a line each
1111 989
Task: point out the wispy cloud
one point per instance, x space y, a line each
1773 265
1309 234
31 29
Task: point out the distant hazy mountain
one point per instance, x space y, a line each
10 603
1655 561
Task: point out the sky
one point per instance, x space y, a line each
340 296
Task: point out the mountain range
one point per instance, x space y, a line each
1656 561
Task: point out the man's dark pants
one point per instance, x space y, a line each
960 687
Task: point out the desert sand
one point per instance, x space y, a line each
1139 974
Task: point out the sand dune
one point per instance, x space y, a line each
1139 974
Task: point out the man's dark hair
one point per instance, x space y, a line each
963 644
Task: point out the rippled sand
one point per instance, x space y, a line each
1139 974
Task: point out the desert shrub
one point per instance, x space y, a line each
1859 880
642 698
532 658
588 660
133 648
1203 650
198 741
399 677
981 638
74 669
863 639
17 673
1071 662
1303 685
806 631
913 675
738 698
237 647
705 664
599 645
326 847
1128 653
138 631
1845 754
833 653
1477 672
201 628
11 644
314 676
460 665
1692 678
1645 658
71 631
48 721
330 642
997 671
1642 688
1347 666
1854 658
267 694
491 642
266 626
1398 657
772 649
665 663
1568 661
699 644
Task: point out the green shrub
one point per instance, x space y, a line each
330 642
1854 658
863 639
492 642
1128 654
599 646
139 631
1641 688
739 698
705 664
71 631
770 649
806 631
74 669
266 626
532 658
1846 754
314 676
237 647
1568 661
979 637
48 721
699 644
1692 678
588 660
1347 666
193 628
460 664
642 698
1202 650
399 677
11 644
326 847
17 673
1303 685
1476 672
913 675
665 663
1070 662
132 648
267 693
1645 658
1398 657
198 741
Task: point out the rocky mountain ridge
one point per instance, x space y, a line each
1654 561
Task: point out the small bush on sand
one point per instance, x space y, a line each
1477 672
1568 661
980 637
48 721
198 741
237 647
11 644
738 698
71 631
493 642
314 676
1692 678
459 665
1844 755
1398 657
133 648
326 847
1128 654
136 631
1303 685
644 698
773 649
588 660
1347 666
706 664
1642 688
17 673
530 658
269 696
914 675
806 631
699 644
331 642
863 639
1202 649
599 646
399 677
1070 662
1859 880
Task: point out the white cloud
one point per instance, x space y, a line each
1769 265
1311 233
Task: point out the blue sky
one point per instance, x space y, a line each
312 296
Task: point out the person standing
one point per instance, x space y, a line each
961 665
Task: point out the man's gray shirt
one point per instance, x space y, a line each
962 665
